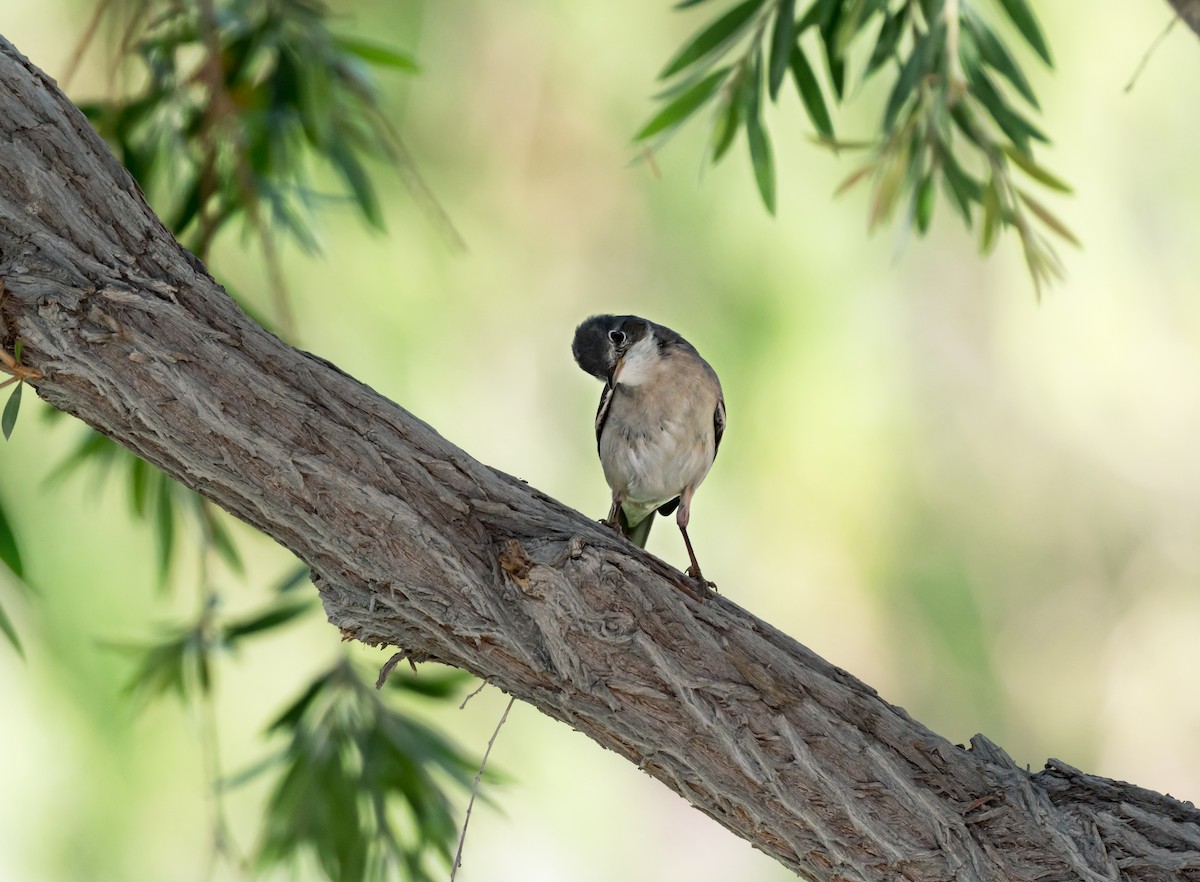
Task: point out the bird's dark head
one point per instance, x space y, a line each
602 341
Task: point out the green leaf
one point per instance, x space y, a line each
915 67
265 621
1022 16
10 552
141 474
833 58
95 448
992 216
378 55
1035 171
162 667
856 15
440 685
164 527
9 420
993 53
1019 129
359 182
316 103
760 157
964 191
293 580
810 92
683 106
729 119
924 200
783 37
886 43
6 626
723 30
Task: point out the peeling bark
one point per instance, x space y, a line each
416 545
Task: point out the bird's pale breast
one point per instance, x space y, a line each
659 437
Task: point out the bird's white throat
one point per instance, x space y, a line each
639 362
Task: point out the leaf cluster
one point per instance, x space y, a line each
242 101
362 786
956 115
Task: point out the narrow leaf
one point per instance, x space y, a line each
854 178
725 28
764 165
887 190
6 626
224 545
726 125
1022 16
1049 219
9 420
886 43
683 106
1019 129
833 56
783 37
381 56
915 67
10 553
991 216
1035 171
265 621
164 527
820 14
925 196
993 53
359 182
810 92
963 189
293 580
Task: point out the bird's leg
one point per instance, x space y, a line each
614 512
682 516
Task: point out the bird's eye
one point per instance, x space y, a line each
617 337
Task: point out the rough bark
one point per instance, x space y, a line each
416 545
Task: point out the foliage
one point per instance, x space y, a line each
355 775
947 121
240 106
10 559
244 100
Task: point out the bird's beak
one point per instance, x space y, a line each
616 371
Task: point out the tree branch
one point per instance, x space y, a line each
414 544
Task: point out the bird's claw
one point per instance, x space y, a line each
694 573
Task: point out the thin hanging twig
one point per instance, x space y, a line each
475 789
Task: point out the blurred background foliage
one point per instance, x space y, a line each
983 505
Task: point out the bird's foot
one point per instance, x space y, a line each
694 573
612 525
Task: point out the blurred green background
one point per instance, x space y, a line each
985 506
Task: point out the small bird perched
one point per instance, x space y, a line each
659 424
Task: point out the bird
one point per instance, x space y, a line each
659 423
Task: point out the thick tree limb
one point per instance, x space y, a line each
419 546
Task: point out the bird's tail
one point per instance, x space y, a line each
639 532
